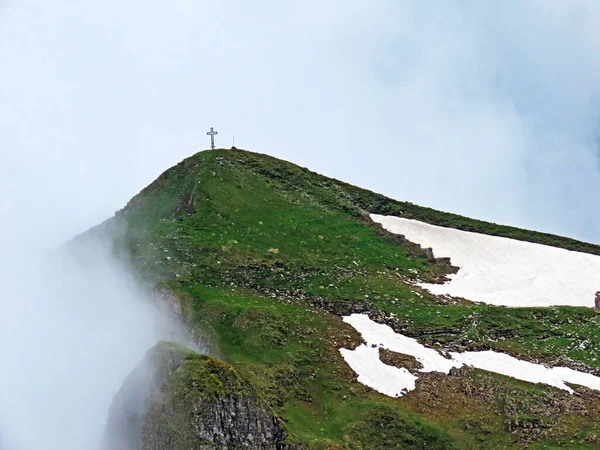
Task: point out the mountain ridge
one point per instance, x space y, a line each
373 202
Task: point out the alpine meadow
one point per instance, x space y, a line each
266 263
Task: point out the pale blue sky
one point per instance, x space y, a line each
485 109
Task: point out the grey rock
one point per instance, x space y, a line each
176 399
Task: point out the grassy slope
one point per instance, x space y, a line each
252 244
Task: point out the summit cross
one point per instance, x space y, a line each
212 133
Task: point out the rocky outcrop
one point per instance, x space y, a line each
399 360
597 301
176 399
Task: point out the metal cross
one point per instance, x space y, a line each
212 133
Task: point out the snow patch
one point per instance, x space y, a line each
526 371
388 380
502 271
395 382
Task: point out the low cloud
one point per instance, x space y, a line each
73 324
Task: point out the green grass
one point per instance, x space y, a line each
290 353
263 253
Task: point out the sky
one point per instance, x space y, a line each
488 109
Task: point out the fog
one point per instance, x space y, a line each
73 325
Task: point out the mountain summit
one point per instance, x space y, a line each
343 310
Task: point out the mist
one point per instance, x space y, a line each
73 324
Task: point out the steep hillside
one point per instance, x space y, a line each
177 399
266 257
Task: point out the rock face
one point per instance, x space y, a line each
597 301
176 313
176 399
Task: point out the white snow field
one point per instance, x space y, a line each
502 271
395 382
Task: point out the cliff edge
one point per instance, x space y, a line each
176 398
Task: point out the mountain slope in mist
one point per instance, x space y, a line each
176 398
264 259
73 325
